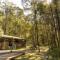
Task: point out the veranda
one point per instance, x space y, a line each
11 42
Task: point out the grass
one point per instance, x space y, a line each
54 53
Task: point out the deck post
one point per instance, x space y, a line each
4 44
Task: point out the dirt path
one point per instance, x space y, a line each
34 55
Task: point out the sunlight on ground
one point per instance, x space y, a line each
25 48
33 55
29 56
44 49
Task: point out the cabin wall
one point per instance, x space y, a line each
1 43
8 44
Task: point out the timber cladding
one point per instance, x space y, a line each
11 42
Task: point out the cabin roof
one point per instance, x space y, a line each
10 37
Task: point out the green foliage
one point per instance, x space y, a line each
13 22
40 7
55 52
41 27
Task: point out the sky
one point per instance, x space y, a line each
16 2
19 4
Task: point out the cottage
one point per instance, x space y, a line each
11 42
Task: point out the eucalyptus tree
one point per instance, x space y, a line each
56 11
27 6
1 18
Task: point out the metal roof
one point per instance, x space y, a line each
10 37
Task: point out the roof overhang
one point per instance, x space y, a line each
11 37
